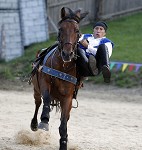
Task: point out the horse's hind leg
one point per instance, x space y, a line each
34 122
45 112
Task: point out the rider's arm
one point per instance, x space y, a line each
89 48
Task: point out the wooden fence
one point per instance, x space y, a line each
113 8
54 7
98 9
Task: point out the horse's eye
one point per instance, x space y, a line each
60 30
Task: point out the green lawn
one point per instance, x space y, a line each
125 32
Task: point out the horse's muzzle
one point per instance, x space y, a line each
67 56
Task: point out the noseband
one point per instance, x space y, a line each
67 43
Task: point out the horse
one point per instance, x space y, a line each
56 82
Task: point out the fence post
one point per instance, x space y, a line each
98 9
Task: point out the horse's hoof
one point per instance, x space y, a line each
34 126
63 145
43 126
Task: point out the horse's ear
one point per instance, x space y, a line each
83 15
66 11
63 12
77 12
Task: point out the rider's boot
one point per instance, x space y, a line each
92 65
106 73
105 66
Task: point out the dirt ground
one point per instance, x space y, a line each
108 118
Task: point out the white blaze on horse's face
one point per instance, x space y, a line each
69 35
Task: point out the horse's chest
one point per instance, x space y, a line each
62 87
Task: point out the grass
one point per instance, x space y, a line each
126 35
125 32
21 67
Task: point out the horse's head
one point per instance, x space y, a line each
69 32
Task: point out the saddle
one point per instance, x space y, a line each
39 59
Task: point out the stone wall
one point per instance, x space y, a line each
34 21
10 31
22 22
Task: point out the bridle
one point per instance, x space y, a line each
73 45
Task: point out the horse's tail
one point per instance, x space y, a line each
56 104
35 82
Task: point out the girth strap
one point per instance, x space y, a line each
59 74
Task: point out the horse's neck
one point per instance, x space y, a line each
63 66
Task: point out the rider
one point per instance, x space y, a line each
94 52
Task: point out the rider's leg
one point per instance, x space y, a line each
102 58
92 65
85 65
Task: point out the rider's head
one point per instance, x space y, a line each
99 29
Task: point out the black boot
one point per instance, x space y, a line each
106 73
105 68
102 57
92 65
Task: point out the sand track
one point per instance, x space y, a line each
108 118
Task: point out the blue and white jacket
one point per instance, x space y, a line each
94 43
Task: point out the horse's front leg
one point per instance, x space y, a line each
65 114
34 122
45 111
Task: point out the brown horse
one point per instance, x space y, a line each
56 83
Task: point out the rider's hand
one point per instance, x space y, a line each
85 43
91 49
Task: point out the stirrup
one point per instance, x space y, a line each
92 65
